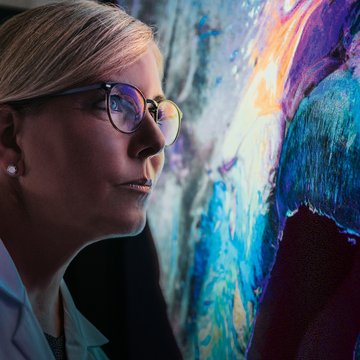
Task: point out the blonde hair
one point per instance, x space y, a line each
65 44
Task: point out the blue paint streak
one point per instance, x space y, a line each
320 161
207 238
209 33
234 55
218 80
202 21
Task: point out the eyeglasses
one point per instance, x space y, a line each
126 107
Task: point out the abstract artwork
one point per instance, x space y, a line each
270 92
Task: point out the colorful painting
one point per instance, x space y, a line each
270 92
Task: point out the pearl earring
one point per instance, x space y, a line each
12 170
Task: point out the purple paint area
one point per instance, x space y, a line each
319 53
227 166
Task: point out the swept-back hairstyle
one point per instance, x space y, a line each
65 44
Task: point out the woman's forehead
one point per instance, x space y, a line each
143 74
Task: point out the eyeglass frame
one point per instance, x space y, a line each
108 86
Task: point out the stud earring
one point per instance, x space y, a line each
12 170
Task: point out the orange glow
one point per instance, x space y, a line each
278 46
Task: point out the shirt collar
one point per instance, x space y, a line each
10 281
79 332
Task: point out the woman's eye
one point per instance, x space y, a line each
115 103
119 104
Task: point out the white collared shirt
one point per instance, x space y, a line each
21 336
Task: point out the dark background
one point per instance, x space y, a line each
115 284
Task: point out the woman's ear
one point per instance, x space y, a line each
10 151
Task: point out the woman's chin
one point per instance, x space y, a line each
125 227
136 228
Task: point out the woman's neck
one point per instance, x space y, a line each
48 308
41 257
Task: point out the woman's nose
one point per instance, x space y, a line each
148 140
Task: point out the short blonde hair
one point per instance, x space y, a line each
65 44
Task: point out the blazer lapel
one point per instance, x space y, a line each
28 337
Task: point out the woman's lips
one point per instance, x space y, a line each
140 185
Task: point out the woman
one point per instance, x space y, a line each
83 123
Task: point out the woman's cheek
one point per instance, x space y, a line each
160 160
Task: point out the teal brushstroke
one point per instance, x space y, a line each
222 260
320 162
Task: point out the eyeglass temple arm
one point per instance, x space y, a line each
84 88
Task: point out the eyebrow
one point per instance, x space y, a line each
159 98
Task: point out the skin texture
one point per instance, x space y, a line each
70 189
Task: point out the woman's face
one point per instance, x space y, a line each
82 175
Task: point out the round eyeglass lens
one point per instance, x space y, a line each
126 107
169 121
